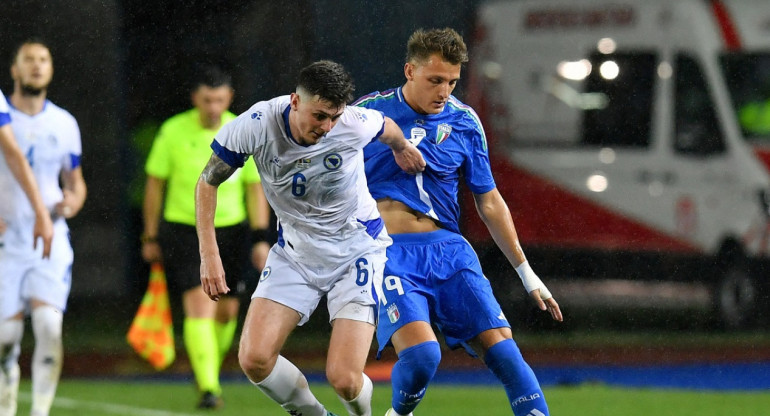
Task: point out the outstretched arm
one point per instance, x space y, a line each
495 213
23 173
406 154
212 272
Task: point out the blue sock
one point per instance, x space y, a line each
521 385
413 371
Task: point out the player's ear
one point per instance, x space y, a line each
409 71
294 101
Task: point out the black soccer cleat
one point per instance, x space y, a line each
210 401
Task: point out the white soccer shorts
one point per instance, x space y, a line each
25 275
286 280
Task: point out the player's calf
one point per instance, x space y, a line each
521 386
414 369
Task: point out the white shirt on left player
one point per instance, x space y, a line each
318 192
51 142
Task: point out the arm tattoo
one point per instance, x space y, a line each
216 171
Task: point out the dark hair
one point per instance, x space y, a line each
446 42
328 80
28 41
210 76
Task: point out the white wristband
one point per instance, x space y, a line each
531 281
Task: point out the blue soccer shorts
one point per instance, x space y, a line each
436 277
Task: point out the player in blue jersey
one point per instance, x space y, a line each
308 149
50 138
432 274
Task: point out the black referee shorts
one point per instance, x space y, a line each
182 261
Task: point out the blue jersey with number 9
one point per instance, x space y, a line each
453 144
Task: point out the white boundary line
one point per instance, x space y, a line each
105 408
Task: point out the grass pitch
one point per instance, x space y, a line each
155 398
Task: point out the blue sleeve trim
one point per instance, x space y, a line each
74 161
374 227
230 157
5 118
483 189
382 129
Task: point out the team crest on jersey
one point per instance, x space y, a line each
265 274
333 161
303 163
256 116
442 132
393 313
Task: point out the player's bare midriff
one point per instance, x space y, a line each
400 219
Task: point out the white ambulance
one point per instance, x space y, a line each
631 140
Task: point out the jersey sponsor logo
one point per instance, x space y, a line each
442 132
276 161
303 163
393 313
265 274
332 161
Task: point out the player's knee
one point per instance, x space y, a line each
47 323
11 332
346 382
256 364
423 359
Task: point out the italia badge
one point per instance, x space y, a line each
442 132
393 313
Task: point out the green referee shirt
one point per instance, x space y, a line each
178 155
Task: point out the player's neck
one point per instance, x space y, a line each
293 131
208 123
406 90
29 104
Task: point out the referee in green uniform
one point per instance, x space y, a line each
179 153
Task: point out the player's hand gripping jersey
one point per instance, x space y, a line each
318 192
451 142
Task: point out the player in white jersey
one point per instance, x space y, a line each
332 241
17 164
50 138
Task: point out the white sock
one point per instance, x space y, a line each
392 412
47 357
362 404
287 386
11 333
